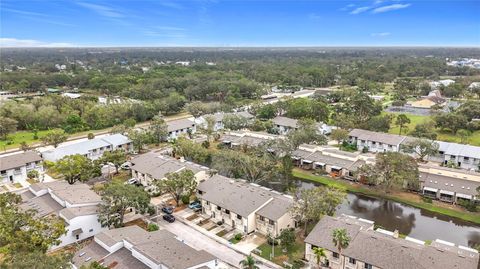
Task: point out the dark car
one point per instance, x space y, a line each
167 210
169 218
195 205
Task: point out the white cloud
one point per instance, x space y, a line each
102 10
382 34
359 10
14 42
390 8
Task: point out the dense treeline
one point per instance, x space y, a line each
231 75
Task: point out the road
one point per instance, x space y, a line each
200 241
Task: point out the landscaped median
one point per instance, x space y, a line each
357 188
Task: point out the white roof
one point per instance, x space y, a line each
459 149
430 189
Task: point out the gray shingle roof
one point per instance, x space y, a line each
330 160
384 251
176 125
78 193
161 247
284 121
157 166
18 160
389 139
243 198
448 183
73 212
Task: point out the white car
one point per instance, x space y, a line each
131 181
126 166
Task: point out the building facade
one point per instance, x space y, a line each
245 206
14 168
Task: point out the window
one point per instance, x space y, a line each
227 211
91 230
335 255
352 260
208 202
368 266
271 222
465 158
262 218
77 236
200 192
219 208
239 217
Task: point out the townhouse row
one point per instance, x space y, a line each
460 155
371 248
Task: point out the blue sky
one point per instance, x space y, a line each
239 23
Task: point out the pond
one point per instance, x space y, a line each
408 220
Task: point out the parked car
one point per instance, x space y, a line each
195 206
126 166
167 210
169 218
132 181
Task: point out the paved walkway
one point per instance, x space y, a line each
198 240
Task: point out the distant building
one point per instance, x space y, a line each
178 127
133 247
14 168
244 206
434 98
92 149
71 95
76 204
381 249
219 116
375 141
445 83
150 167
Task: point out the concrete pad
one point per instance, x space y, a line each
251 242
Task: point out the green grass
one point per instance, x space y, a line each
17 185
441 135
414 120
31 180
355 188
22 136
295 252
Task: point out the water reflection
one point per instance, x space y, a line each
417 223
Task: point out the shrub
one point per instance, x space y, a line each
427 199
469 205
32 174
185 199
151 210
206 144
219 222
238 237
152 227
298 264
90 136
272 241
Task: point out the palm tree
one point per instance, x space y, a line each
320 255
341 240
249 263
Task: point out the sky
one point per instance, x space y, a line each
149 23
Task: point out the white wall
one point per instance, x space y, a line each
86 223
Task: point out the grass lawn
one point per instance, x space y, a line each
414 120
397 197
17 185
441 135
296 252
22 136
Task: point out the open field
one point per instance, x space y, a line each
441 135
401 197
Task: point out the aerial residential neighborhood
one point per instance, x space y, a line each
239 134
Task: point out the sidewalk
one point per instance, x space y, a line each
224 242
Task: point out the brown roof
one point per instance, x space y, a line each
18 160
